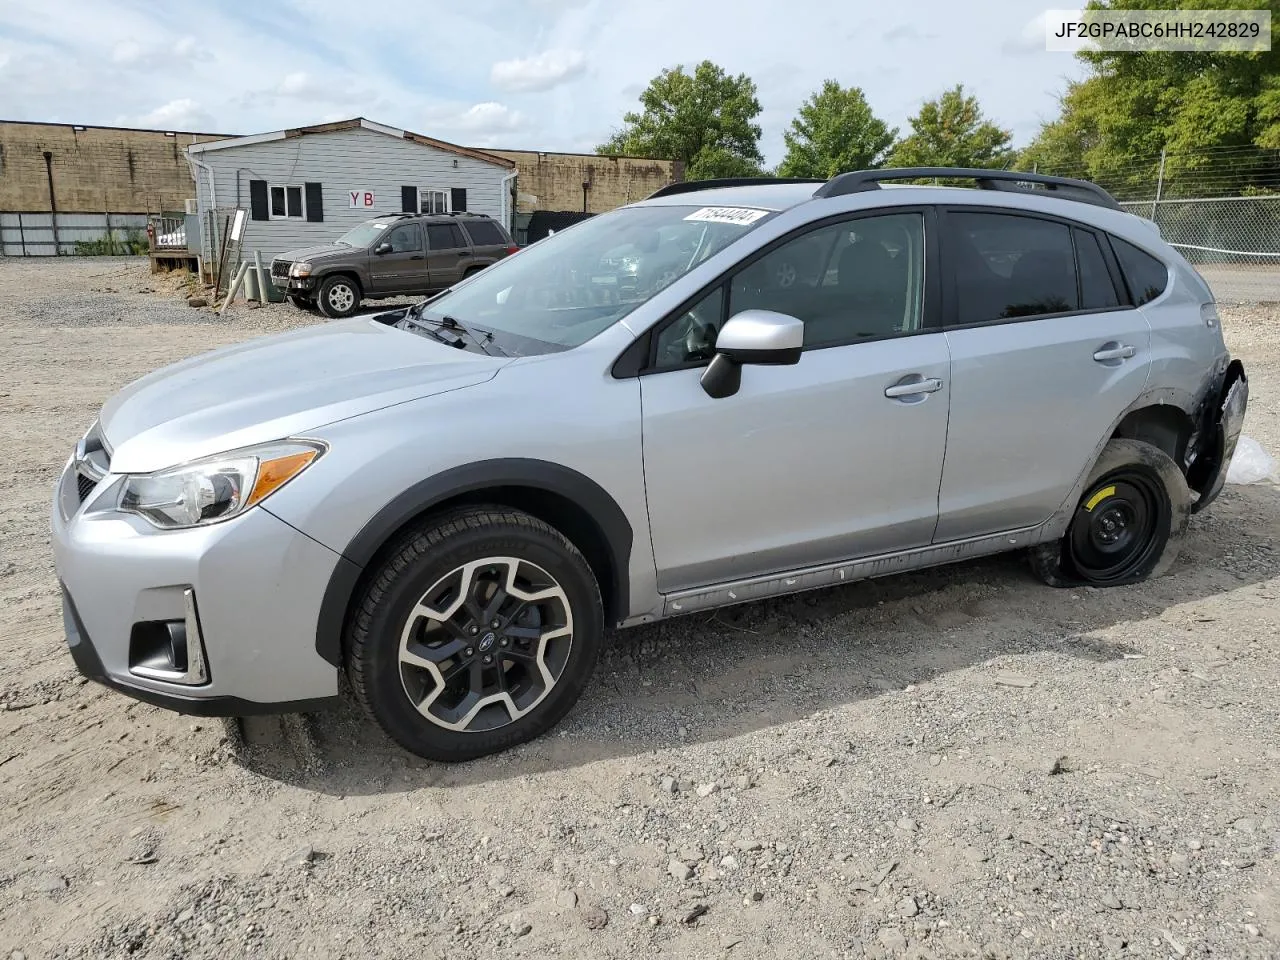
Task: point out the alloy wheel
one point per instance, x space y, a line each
341 297
485 644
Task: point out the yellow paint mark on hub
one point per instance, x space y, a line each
1098 497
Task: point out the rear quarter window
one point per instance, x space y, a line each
484 234
1146 276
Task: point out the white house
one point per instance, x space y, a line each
309 185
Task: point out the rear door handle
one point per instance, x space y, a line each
913 385
1114 351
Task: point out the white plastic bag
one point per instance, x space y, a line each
1250 463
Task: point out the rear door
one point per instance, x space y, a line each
397 262
449 253
1046 355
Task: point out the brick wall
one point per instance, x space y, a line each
553 181
95 169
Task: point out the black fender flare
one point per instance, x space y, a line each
420 498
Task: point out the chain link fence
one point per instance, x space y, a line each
1220 207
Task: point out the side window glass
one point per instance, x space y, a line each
1096 289
692 335
1147 276
444 236
1010 266
404 239
858 279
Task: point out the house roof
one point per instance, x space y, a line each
353 124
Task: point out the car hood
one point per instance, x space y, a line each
323 251
279 386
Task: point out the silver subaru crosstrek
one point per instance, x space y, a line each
729 391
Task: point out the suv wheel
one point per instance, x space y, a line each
478 632
1128 525
339 296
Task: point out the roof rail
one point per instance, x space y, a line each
1011 181
690 186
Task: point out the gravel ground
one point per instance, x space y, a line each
960 762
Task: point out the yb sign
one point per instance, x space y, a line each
360 199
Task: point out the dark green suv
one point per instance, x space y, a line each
396 255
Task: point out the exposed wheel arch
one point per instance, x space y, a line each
1162 425
569 501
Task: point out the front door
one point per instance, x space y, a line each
402 266
450 254
1044 360
838 456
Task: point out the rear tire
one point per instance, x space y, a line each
425 658
1129 523
338 297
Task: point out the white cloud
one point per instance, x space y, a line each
1030 38
296 84
127 52
122 61
540 72
181 114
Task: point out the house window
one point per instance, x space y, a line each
433 201
286 202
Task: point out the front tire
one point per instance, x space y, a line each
479 631
1128 525
339 296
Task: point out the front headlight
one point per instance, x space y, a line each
300 269
217 488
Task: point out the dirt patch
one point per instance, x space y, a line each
959 762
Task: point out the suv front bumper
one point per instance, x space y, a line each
242 597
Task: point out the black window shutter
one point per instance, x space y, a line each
315 203
258 200
408 199
458 199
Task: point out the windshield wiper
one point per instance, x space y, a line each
414 317
454 324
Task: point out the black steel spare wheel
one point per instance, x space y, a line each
1128 524
478 631
1118 526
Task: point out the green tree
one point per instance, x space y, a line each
952 132
835 131
706 119
1113 124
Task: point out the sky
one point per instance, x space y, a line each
521 74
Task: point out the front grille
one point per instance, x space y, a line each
280 268
84 486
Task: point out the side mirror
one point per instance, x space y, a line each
752 336
382 248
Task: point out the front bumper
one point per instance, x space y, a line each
257 584
295 284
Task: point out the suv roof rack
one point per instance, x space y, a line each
691 186
1010 181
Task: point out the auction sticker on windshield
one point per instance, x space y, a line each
739 215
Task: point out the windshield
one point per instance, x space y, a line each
562 291
364 234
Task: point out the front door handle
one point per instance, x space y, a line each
1114 351
913 385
